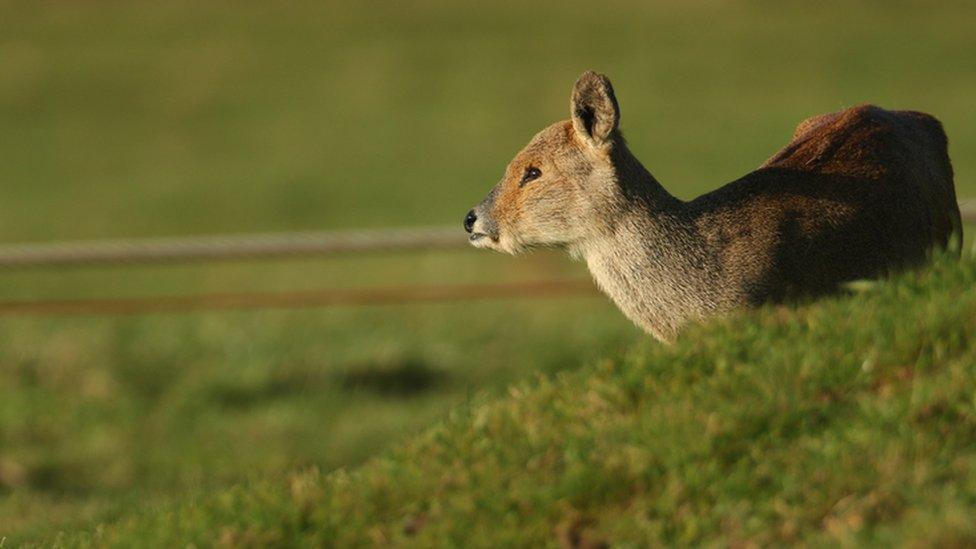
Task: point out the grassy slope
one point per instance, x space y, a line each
851 419
97 413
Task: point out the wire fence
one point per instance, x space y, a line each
298 299
269 246
967 208
229 247
250 247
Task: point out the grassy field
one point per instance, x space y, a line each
849 421
136 119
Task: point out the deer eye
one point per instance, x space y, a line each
530 174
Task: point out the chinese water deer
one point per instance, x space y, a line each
855 194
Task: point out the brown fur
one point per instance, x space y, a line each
855 194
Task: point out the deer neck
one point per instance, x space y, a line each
649 257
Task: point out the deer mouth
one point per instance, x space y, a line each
481 240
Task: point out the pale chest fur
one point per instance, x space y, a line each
659 279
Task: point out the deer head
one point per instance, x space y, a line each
559 189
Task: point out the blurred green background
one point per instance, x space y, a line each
138 119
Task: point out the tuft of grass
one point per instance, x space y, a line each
849 420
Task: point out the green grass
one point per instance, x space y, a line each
97 413
848 420
132 119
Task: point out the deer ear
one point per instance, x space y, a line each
594 108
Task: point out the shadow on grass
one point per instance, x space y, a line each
405 377
397 378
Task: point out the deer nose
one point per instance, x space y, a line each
469 221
